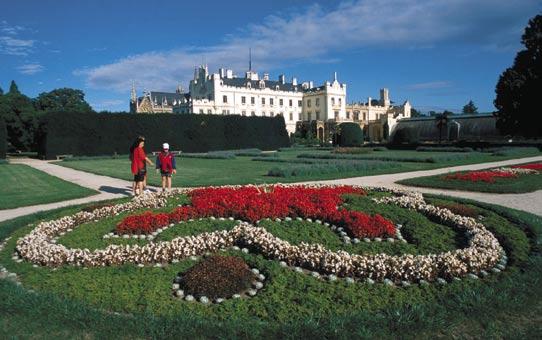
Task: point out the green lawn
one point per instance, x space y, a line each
23 186
131 302
520 184
242 170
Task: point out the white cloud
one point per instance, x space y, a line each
317 34
30 69
440 84
14 46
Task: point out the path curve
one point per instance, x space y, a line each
529 202
110 187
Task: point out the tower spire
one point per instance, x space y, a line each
250 58
133 96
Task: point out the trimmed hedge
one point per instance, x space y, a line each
444 149
3 139
406 135
350 134
293 170
91 134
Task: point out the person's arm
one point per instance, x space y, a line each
174 164
158 163
148 161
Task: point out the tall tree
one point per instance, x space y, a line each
441 121
64 99
470 108
1 92
415 113
518 88
13 88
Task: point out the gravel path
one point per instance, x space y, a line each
110 188
530 202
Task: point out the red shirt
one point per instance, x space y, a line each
138 160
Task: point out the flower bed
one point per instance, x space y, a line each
482 253
532 166
483 176
253 204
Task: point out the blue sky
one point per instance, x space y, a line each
438 54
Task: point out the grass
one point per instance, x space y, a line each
72 302
24 186
243 170
517 185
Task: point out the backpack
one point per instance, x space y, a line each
166 161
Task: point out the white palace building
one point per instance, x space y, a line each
252 95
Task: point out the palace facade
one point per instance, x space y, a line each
300 103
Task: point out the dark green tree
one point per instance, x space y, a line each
1 92
415 113
470 108
21 122
441 121
518 88
64 99
13 88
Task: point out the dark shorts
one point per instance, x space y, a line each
165 173
140 176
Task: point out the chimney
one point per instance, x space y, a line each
311 84
229 74
294 81
222 72
282 79
369 101
266 76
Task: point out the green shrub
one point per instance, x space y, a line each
3 139
352 150
349 134
319 168
380 148
210 155
406 135
443 149
389 158
92 134
512 151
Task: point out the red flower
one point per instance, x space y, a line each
532 166
484 176
255 203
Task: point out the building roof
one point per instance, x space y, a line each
255 84
159 97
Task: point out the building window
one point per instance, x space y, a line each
340 101
281 102
244 113
291 116
224 99
308 103
252 100
336 115
309 116
223 112
200 110
299 103
364 116
252 113
263 100
243 100
356 115
271 101
263 113
272 114
332 101
317 115
317 101
209 111
282 113
347 114
291 103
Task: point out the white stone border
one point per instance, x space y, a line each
482 253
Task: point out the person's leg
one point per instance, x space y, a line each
164 182
140 185
169 183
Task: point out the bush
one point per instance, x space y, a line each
91 134
352 151
443 149
349 134
513 151
217 277
210 155
406 135
319 168
389 158
380 148
3 139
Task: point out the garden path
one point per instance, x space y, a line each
110 188
530 202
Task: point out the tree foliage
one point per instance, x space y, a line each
64 99
518 88
415 113
470 108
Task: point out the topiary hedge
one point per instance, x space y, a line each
349 134
3 139
406 135
90 134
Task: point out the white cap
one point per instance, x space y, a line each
165 146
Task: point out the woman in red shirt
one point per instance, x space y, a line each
139 164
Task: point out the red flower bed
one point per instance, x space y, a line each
483 176
253 204
532 166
